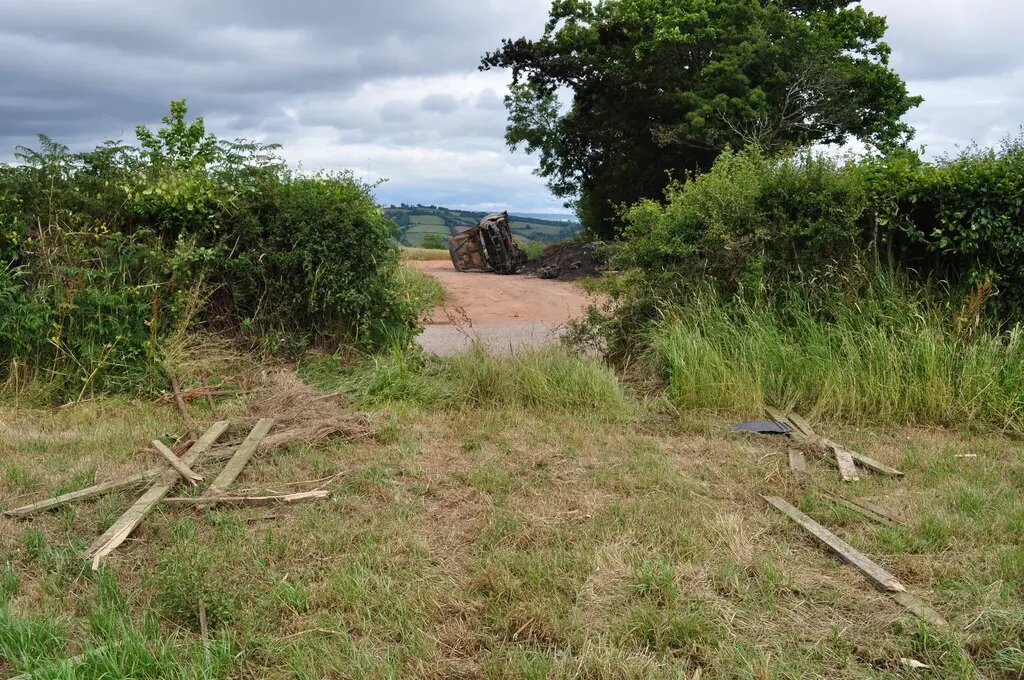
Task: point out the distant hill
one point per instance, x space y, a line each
415 221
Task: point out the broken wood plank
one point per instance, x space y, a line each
847 470
184 470
83 494
256 501
797 461
875 465
776 415
181 402
874 573
127 523
802 425
857 508
870 507
241 457
921 609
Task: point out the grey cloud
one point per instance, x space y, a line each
439 103
369 80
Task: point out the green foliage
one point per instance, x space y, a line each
885 357
663 86
105 254
434 242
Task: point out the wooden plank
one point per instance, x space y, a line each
127 523
921 609
847 470
873 507
257 501
797 461
183 470
854 507
875 465
241 457
776 415
181 402
802 425
84 494
874 573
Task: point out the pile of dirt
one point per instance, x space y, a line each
570 261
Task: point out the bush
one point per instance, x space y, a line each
105 254
434 242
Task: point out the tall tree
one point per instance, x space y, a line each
663 86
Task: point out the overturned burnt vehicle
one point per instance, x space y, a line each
487 247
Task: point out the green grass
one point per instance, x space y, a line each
516 517
871 361
425 254
421 289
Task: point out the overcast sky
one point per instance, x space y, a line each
389 88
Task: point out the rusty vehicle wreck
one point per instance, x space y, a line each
487 247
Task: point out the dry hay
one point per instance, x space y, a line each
301 413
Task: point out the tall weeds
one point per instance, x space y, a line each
886 357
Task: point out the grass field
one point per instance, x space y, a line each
517 517
425 254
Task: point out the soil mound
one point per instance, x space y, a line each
570 261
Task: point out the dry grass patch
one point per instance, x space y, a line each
522 542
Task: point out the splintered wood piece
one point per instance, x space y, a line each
874 573
127 523
856 507
802 425
83 494
920 608
183 470
847 470
873 507
181 402
797 460
253 500
241 457
776 415
875 465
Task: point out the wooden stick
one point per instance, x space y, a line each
241 457
871 507
183 470
83 494
847 470
874 573
256 501
127 523
181 402
797 461
857 508
920 608
204 630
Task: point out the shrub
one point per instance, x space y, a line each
434 242
104 254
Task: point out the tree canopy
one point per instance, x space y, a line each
664 86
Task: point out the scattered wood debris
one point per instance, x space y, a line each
801 431
184 470
126 524
878 576
256 501
874 573
241 457
797 461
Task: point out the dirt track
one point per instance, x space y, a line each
505 312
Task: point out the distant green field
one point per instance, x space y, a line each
415 221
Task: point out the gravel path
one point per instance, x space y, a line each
506 313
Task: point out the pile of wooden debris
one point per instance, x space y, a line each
291 412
